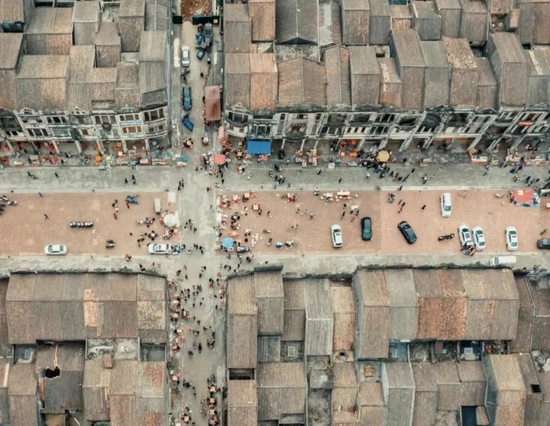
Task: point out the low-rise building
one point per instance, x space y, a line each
420 74
82 77
77 349
450 348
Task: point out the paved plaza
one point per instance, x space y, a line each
26 231
292 221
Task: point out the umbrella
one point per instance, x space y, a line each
227 242
383 156
219 159
170 220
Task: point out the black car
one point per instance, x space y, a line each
366 229
186 99
407 232
544 243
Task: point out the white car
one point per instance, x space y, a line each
465 236
155 248
55 250
446 205
185 56
336 235
479 238
511 238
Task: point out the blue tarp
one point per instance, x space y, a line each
258 147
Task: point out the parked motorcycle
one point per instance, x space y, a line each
446 237
110 243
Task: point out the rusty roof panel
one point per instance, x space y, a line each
337 67
262 15
301 81
355 22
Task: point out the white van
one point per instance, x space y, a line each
446 205
503 261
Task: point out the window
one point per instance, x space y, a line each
318 117
154 115
56 120
105 119
131 130
14 133
301 117
38 133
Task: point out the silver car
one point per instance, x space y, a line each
336 235
185 56
465 236
155 248
511 238
479 238
56 250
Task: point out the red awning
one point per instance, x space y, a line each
213 109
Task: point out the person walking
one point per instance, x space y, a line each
340 180
423 207
46 216
40 195
319 172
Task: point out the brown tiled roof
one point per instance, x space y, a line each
301 81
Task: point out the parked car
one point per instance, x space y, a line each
407 232
336 235
366 229
544 243
155 248
185 56
446 205
465 236
186 99
511 235
479 238
200 53
55 250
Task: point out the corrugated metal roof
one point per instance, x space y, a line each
268 284
355 22
318 304
297 19
342 299
263 81
403 301
95 386
294 294
108 34
237 34
237 76
508 47
242 340
281 389
101 306
242 403
50 21
22 380
399 375
337 66
424 377
10 47
294 325
407 48
23 410
241 296
43 66
344 406
262 15
63 393
11 11
86 11
67 356
123 410
374 290
4 406
506 373
132 8
301 81
370 394
344 375
149 46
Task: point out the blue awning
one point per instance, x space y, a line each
258 147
